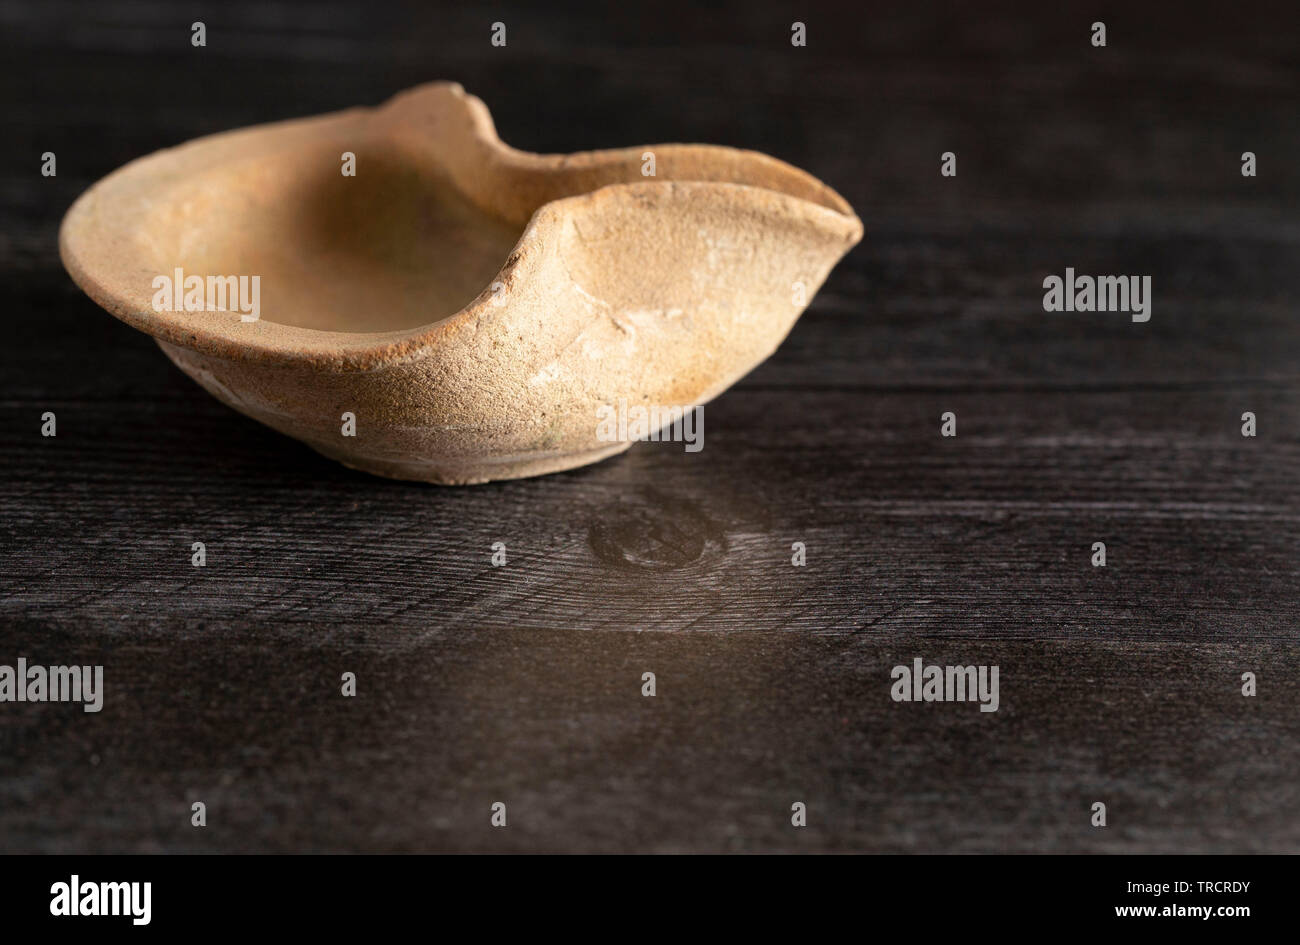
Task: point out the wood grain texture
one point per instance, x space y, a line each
522 683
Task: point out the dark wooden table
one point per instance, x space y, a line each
522 684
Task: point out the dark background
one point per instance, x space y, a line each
522 684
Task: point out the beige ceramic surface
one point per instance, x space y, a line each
471 304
